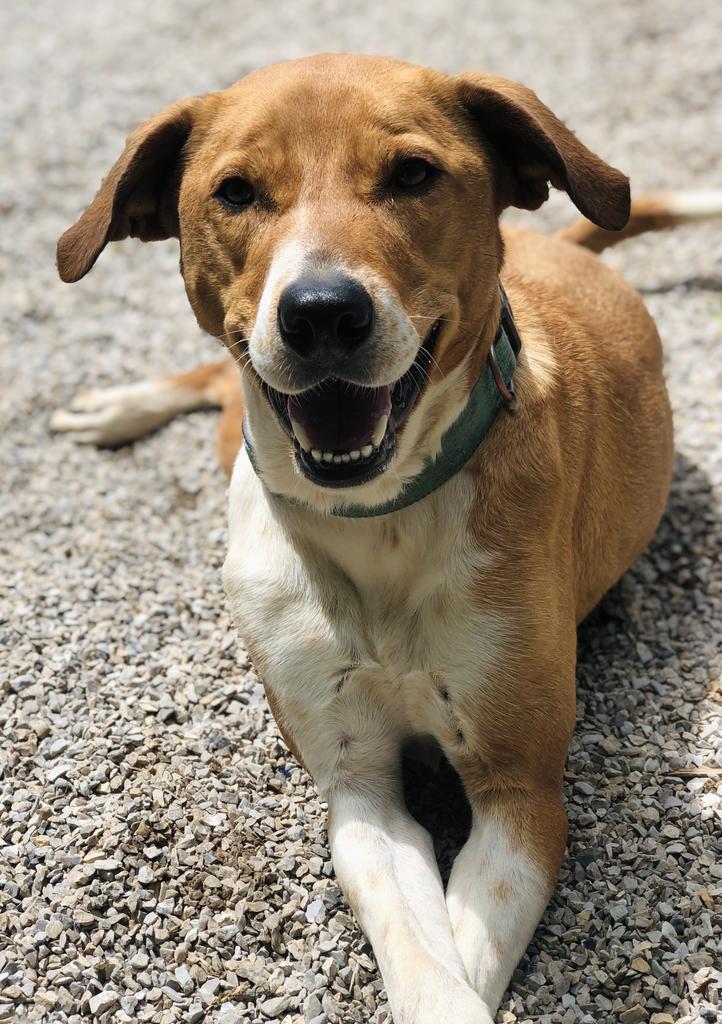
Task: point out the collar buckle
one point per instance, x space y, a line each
507 325
507 392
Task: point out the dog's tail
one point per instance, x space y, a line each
648 213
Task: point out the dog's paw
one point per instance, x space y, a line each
112 416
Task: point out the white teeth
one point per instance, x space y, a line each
301 436
339 457
378 434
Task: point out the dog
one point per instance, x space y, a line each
447 441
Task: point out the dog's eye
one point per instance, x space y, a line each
413 174
236 192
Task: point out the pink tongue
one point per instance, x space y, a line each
339 417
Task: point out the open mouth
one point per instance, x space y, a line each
345 434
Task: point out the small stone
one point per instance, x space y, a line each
274 1007
633 1015
312 1008
619 910
229 1014
208 991
107 866
315 911
184 979
103 1001
588 856
53 929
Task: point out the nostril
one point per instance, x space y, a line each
354 327
297 332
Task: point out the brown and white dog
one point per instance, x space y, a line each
338 220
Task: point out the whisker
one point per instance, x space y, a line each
236 330
417 370
433 360
439 319
228 334
244 361
235 344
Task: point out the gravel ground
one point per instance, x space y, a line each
162 858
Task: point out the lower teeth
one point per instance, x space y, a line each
337 458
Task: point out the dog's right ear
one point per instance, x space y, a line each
138 197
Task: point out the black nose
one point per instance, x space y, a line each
330 314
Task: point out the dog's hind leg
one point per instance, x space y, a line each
114 416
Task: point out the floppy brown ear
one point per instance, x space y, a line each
139 195
535 148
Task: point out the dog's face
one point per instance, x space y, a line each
338 220
336 212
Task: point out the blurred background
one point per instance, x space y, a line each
161 857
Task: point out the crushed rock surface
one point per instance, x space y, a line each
162 857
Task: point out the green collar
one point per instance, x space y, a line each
493 389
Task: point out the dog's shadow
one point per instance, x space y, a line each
641 683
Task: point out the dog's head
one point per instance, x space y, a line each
338 222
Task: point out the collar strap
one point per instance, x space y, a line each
494 388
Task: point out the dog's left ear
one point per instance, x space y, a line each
534 149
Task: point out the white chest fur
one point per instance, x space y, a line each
364 629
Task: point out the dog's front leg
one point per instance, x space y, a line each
501 882
385 863
510 753
384 860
